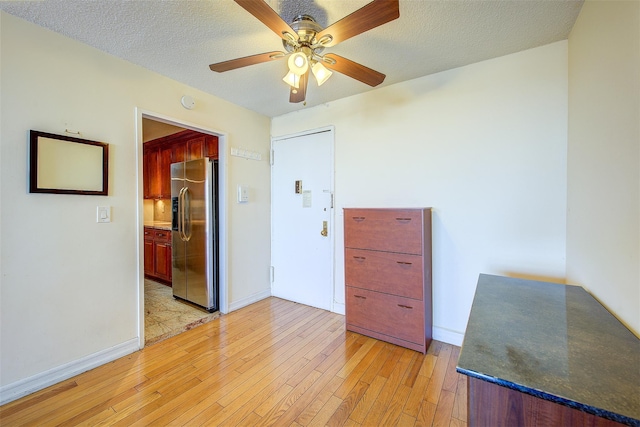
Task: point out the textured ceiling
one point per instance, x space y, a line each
180 38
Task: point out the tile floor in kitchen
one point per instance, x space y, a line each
165 316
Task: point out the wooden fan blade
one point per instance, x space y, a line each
232 64
263 12
372 15
354 70
300 93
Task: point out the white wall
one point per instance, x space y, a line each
484 145
603 232
69 287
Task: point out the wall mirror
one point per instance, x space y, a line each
61 164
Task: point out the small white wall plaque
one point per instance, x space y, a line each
306 199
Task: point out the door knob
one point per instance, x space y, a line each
324 229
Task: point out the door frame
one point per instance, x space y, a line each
332 216
222 207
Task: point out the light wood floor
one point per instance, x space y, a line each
272 363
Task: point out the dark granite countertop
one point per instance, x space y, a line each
555 342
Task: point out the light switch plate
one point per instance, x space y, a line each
104 214
243 194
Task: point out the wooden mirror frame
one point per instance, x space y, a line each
67 168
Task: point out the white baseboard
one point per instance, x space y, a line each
18 389
339 308
249 300
447 335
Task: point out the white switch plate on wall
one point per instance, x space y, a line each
104 214
243 194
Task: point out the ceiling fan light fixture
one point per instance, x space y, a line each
321 73
298 63
292 80
304 40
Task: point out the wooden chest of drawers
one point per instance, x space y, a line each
388 275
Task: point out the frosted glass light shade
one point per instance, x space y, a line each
321 72
292 80
298 63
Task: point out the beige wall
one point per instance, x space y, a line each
603 232
70 286
484 145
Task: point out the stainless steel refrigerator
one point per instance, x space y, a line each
195 232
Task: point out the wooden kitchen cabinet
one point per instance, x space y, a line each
157 254
388 275
148 251
164 172
197 147
150 171
211 147
156 170
160 153
193 145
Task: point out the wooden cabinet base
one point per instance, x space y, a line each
495 406
157 255
388 338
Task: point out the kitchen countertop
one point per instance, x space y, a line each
555 342
162 225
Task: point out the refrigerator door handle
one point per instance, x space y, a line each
187 215
181 211
179 214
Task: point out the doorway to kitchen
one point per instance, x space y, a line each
161 315
164 316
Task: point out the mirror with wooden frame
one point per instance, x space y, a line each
62 164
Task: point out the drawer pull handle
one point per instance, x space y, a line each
404 263
360 296
403 219
405 306
358 218
359 258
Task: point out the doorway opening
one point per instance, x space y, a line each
164 316
160 314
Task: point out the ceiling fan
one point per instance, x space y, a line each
304 41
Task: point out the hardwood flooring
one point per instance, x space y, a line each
272 363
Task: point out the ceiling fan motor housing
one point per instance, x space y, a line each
306 28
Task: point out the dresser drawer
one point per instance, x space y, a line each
393 230
386 314
388 272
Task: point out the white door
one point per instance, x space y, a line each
302 218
